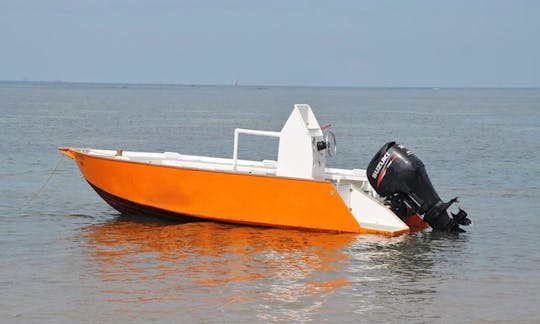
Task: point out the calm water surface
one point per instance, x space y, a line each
66 256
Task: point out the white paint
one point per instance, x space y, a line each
368 212
297 155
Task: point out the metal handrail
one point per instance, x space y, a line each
256 132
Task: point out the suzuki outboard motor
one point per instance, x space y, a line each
400 178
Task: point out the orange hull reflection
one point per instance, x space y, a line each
211 254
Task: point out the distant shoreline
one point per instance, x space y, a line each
181 85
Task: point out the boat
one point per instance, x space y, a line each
295 191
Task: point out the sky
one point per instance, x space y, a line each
377 43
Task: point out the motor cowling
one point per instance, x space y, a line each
401 179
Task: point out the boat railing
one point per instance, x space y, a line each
256 132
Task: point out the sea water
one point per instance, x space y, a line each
66 256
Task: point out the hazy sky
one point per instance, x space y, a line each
451 43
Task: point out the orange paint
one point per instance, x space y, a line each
223 196
416 223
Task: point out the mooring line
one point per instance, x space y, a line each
35 194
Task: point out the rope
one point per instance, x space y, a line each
34 195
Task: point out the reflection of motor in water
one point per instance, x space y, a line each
400 177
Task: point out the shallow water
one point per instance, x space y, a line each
67 256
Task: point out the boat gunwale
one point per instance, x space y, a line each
112 158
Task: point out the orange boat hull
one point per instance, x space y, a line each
132 187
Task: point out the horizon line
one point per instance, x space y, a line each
238 85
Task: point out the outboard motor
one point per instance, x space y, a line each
400 177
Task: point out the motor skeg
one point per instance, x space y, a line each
401 178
